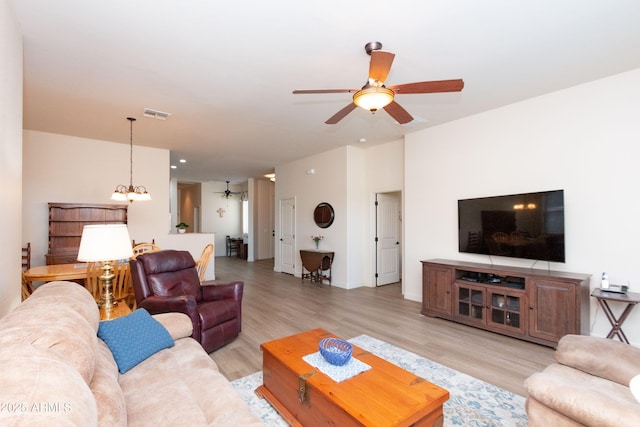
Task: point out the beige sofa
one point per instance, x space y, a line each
587 386
55 371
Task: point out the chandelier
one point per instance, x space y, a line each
123 193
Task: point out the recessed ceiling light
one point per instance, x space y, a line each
363 139
183 161
174 167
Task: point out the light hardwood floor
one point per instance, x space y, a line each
277 304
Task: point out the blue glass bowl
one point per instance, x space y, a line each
335 351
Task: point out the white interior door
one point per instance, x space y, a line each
388 238
287 235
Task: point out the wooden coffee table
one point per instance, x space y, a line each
386 395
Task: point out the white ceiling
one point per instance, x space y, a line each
225 70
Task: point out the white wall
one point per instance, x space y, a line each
10 158
356 235
228 224
60 168
326 184
383 172
347 178
583 140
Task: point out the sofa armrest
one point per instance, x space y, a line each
219 291
604 358
182 304
178 324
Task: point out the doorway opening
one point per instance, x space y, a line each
388 230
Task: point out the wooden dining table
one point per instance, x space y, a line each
48 273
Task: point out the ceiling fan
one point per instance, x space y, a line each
375 95
227 193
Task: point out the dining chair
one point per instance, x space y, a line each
495 247
92 282
27 289
519 235
141 248
324 271
203 262
26 257
474 241
121 286
133 242
232 246
500 236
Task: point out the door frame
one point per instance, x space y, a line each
374 229
280 263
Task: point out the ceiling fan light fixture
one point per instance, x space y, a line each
373 98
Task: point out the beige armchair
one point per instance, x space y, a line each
587 386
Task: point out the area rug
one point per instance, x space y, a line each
472 402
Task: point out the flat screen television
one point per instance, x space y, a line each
528 225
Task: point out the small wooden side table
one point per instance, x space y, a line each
317 263
120 310
630 298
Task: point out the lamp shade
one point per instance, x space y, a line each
373 98
104 242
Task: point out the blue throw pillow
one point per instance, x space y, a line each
134 338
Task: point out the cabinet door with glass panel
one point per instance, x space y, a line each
469 302
505 309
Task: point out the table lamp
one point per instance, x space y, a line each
105 243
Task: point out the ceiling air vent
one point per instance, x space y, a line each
155 114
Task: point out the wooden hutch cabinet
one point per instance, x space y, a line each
66 221
534 305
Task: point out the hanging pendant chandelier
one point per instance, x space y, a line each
123 193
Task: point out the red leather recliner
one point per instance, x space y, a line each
167 281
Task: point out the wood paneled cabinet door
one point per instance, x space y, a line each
552 309
436 290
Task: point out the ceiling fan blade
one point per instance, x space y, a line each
341 114
429 87
299 92
380 65
396 111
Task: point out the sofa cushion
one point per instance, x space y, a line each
112 410
604 358
205 396
178 324
587 399
133 338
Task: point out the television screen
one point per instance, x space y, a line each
529 225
